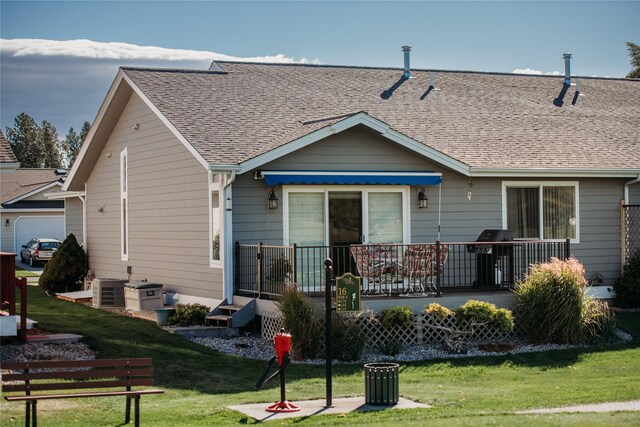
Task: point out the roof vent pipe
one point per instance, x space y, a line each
407 66
567 68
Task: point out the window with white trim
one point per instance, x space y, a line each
215 227
544 210
124 206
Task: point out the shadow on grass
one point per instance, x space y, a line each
182 364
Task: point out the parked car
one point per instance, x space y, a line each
38 250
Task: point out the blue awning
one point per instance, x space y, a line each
351 178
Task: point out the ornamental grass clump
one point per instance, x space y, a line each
299 320
552 307
348 337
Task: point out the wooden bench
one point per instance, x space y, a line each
59 375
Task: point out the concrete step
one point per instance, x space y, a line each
220 320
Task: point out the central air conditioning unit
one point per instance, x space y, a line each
108 292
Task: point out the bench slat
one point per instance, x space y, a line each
85 374
44 364
72 385
79 395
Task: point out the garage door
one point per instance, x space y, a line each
41 226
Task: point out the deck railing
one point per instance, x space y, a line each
393 269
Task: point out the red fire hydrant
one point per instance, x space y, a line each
282 344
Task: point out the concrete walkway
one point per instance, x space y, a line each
316 407
632 405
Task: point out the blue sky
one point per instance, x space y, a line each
45 75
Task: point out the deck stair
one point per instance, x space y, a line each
231 315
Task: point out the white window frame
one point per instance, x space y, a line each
540 186
124 196
216 187
405 190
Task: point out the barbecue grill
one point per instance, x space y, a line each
494 262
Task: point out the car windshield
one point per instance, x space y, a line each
49 246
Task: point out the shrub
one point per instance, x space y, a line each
66 268
397 316
627 286
280 269
485 312
299 320
349 339
552 306
188 315
392 347
437 310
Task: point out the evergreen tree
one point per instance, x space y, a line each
86 127
48 135
634 53
71 146
25 142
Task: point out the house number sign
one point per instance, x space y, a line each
348 293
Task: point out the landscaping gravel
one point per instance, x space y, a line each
31 351
257 348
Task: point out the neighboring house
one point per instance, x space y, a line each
180 164
25 211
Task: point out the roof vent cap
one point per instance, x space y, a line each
567 68
407 66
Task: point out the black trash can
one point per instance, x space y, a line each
381 384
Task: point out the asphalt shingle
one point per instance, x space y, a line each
485 120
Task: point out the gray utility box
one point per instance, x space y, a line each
107 292
141 296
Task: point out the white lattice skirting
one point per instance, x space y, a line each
423 330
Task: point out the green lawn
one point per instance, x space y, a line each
20 272
200 382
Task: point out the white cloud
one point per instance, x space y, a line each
535 72
124 51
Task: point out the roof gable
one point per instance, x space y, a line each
23 184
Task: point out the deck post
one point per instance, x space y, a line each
294 264
260 265
236 266
567 248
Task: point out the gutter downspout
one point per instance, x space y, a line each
626 189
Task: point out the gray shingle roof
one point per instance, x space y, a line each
485 120
23 181
6 154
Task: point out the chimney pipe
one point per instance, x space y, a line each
407 67
567 68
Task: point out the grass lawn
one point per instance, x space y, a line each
200 382
20 272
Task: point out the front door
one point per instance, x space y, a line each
345 227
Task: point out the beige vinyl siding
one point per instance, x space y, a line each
461 220
73 217
167 203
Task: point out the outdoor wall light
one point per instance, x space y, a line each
101 209
6 223
423 200
273 199
108 155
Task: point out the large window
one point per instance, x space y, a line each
318 216
546 210
124 206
